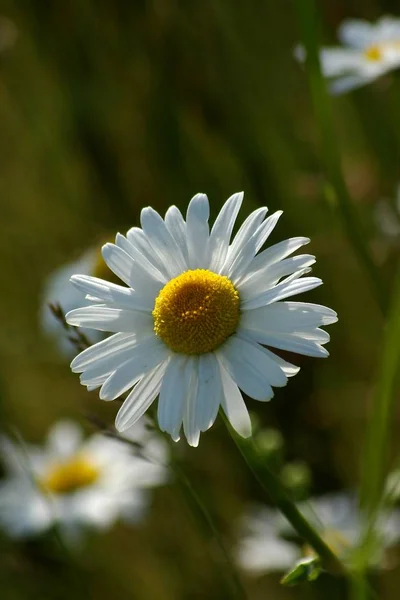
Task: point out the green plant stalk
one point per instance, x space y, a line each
230 579
376 450
308 21
278 494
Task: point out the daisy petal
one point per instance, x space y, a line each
251 368
197 229
104 291
209 391
173 394
291 286
122 264
234 405
221 232
249 250
140 259
277 252
140 398
289 342
177 227
113 344
162 242
264 279
105 318
139 241
147 357
356 33
247 229
190 426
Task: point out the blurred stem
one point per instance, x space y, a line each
203 516
279 495
233 586
375 455
308 21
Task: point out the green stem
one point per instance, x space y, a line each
308 20
196 505
235 585
278 494
375 456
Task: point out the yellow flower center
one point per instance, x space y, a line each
373 53
196 312
69 476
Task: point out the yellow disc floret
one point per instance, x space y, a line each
196 312
69 476
373 53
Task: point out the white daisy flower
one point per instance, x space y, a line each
193 323
268 542
58 290
75 483
369 50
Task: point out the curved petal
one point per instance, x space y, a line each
140 259
252 246
356 33
105 318
209 391
290 286
102 350
190 427
144 360
247 229
140 398
162 241
173 394
264 279
104 291
221 232
177 227
290 342
277 252
251 368
233 404
197 231
132 273
140 242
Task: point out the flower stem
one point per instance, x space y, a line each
308 21
278 494
375 455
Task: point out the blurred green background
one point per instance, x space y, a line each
106 107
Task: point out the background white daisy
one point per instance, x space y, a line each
369 50
268 542
194 321
76 483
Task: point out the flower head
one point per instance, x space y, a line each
369 50
193 322
268 542
77 483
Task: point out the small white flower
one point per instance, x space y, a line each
369 51
265 545
193 323
75 483
58 290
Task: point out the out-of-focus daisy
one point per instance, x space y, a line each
369 50
58 290
75 483
268 543
193 323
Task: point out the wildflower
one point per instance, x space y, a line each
369 51
192 324
73 483
268 543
